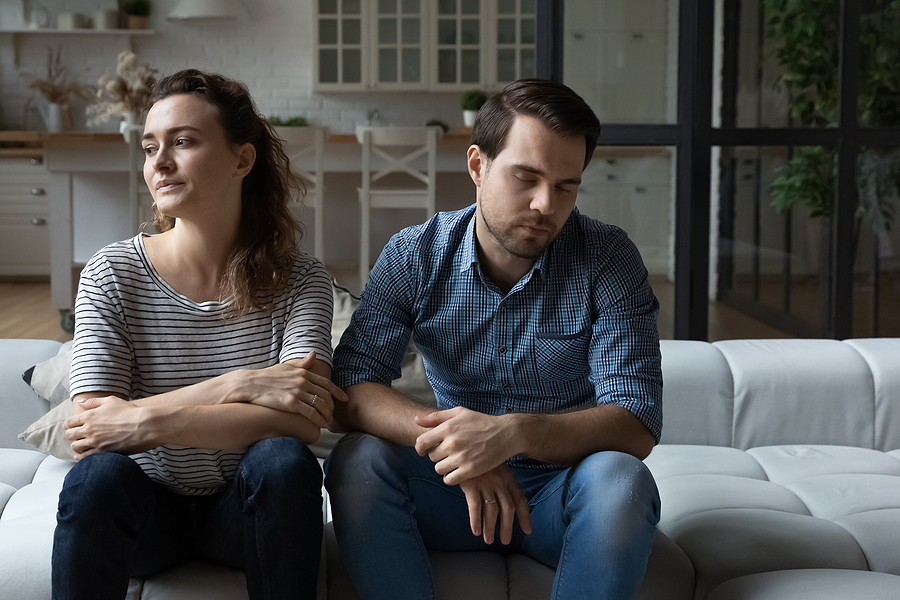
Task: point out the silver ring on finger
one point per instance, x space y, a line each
490 501
315 397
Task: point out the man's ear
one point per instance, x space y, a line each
477 163
246 159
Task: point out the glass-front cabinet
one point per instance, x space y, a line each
423 44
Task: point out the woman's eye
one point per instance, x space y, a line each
148 150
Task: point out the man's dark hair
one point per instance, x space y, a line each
556 106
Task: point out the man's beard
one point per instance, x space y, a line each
527 248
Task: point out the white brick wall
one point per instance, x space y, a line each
272 53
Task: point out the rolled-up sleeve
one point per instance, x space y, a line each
624 350
372 347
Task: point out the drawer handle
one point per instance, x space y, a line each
39 222
38 191
610 177
640 189
37 161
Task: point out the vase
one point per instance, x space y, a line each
56 117
469 117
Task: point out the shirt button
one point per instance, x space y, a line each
503 304
502 349
506 386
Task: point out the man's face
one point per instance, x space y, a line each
526 193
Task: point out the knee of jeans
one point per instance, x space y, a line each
284 463
103 479
615 476
358 462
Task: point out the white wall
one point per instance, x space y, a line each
272 53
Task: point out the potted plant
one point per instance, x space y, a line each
472 101
286 129
57 90
137 12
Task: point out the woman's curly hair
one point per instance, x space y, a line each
269 234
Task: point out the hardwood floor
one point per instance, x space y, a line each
26 312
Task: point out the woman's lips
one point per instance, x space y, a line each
167 185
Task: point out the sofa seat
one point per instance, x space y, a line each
740 513
811 584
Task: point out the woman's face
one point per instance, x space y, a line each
191 168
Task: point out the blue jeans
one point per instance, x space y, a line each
594 522
114 522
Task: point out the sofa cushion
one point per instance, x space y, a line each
800 392
697 394
17 467
834 496
670 460
788 464
686 495
729 543
19 404
810 584
48 433
877 533
881 356
50 378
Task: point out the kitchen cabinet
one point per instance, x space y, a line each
624 58
632 189
24 216
443 45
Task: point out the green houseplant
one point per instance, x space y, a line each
806 37
472 101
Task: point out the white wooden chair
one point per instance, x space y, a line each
139 198
391 146
305 146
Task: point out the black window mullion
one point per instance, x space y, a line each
549 40
695 77
842 252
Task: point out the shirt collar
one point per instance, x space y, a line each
470 252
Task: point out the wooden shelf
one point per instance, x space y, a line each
15 33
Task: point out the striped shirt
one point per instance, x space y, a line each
578 330
137 337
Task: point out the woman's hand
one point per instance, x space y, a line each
301 386
107 424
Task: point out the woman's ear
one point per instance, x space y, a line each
246 158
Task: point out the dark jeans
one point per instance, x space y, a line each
114 522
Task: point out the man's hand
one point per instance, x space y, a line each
491 495
107 424
463 443
291 386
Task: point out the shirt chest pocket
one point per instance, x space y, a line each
561 357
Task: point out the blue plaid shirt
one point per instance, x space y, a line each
578 330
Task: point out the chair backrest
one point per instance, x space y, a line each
305 147
421 141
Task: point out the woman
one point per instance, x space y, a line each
201 368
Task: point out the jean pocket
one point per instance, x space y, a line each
562 357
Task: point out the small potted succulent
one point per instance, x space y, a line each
472 101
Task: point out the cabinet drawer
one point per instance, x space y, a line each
24 244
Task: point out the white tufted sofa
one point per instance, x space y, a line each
779 474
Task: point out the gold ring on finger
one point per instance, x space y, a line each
315 397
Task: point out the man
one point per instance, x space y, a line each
538 331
